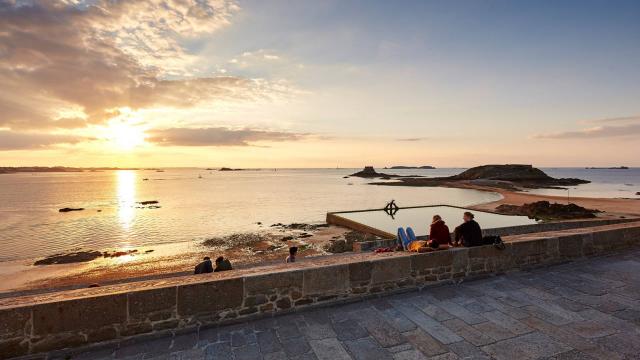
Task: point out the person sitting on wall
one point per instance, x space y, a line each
222 264
439 234
204 267
293 251
468 233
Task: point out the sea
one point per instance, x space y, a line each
196 204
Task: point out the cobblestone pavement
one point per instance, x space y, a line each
584 310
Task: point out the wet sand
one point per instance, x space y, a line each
610 207
165 261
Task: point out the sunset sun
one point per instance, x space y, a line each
123 136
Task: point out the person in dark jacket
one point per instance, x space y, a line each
222 264
204 267
439 233
468 233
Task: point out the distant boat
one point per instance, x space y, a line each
199 176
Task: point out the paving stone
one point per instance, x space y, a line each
288 330
529 346
466 350
468 332
218 351
184 341
329 349
428 324
385 334
318 326
268 342
507 322
494 331
400 348
249 352
238 338
409 355
545 315
626 344
447 356
398 320
296 346
275 356
349 330
365 349
590 329
496 304
424 342
572 355
135 347
460 312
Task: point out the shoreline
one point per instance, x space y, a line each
169 260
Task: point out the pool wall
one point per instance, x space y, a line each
335 218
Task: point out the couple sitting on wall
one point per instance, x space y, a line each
467 234
206 266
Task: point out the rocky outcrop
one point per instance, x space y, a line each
75 257
68 209
510 176
544 210
515 173
400 167
229 169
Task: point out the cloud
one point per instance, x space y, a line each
604 131
413 139
621 119
217 136
10 140
71 64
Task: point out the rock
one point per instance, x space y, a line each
638 193
543 210
337 246
148 202
345 177
67 209
75 257
511 176
304 235
229 169
287 238
515 173
369 172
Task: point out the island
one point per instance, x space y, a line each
401 167
509 176
229 169
55 169
609 168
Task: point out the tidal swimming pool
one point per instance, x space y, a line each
419 218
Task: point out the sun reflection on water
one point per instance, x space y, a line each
126 191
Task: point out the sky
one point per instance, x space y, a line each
319 83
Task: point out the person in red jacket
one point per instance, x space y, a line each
439 234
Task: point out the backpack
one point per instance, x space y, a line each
494 240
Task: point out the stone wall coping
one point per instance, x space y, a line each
301 265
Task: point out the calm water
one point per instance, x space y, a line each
219 203
192 208
420 218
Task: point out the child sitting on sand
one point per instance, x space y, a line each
292 254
